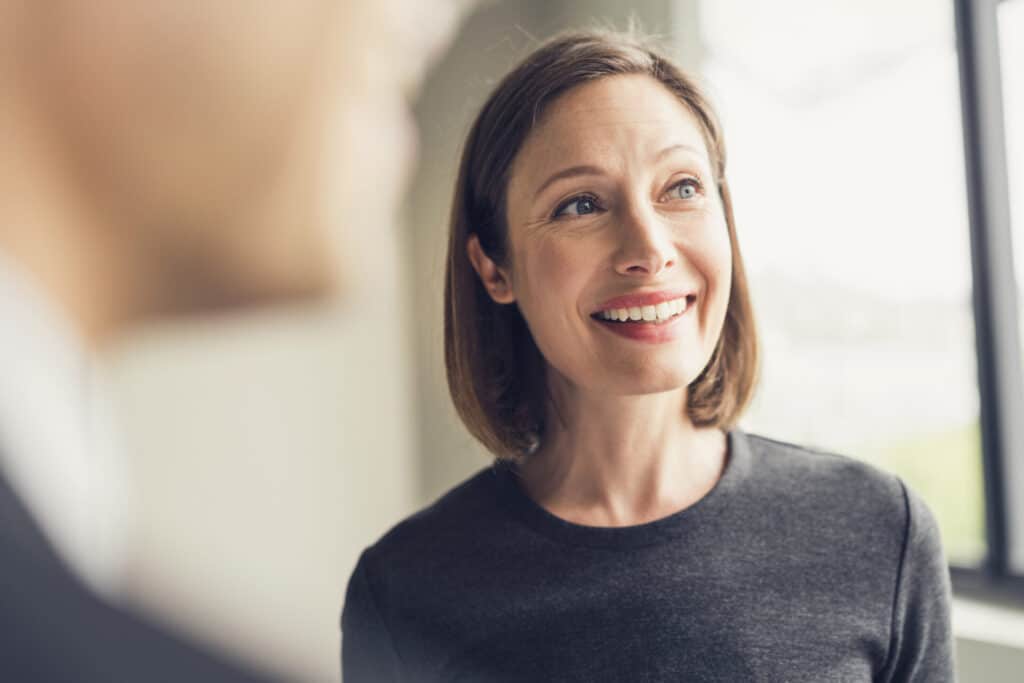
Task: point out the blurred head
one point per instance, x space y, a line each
223 145
592 245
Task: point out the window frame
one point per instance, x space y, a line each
994 295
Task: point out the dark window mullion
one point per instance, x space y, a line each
994 288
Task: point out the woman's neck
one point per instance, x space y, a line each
622 460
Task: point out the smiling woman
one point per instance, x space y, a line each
604 199
600 342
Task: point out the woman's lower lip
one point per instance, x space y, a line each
654 333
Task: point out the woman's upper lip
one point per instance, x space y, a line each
638 299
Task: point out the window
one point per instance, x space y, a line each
848 178
990 137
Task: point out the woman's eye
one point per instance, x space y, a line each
687 188
577 206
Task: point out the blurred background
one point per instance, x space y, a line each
847 162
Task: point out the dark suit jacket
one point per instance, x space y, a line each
53 628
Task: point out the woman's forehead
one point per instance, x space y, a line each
612 121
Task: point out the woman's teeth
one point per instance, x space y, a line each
659 313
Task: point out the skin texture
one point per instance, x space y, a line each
176 157
621 449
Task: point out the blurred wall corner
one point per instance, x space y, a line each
489 43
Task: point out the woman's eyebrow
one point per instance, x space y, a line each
568 173
573 171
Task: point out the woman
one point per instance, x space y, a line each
600 342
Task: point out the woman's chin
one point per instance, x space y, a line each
649 381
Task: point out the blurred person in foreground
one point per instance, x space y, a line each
163 159
600 342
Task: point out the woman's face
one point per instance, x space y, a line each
620 258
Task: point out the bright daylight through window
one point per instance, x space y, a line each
847 170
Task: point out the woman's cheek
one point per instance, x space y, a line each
552 278
558 261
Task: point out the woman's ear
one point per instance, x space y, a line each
493 277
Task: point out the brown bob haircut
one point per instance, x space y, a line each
496 374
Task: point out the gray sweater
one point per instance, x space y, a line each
798 565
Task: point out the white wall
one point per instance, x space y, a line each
267 453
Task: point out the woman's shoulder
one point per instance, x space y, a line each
778 458
833 485
452 518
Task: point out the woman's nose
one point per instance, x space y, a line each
646 246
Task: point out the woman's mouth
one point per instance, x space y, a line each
651 314
653 323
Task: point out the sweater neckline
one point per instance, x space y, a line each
521 505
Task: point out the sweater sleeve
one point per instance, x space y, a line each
921 643
367 650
